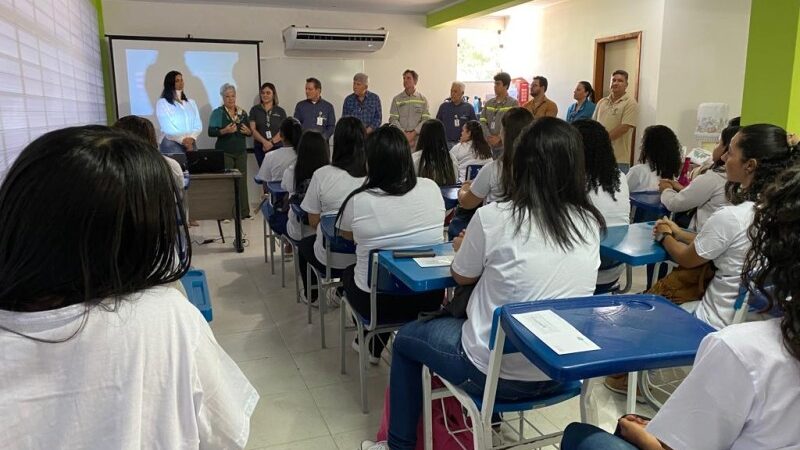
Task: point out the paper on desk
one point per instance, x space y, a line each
435 261
556 332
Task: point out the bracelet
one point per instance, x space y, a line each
665 234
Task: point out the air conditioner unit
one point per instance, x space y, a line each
333 39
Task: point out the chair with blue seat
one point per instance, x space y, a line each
301 217
472 171
275 218
482 409
196 287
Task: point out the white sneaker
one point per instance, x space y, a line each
370 445
374 360
334 298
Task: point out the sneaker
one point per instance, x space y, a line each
374 360
619 384
334 298
226 221
304 300
371 445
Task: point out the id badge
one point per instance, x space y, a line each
491 127
457 123
320 121
269 134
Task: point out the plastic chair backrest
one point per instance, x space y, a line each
472 171
301 215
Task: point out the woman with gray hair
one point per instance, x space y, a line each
229 124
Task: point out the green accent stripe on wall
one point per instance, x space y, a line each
111 116
467 9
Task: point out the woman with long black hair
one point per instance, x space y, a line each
178 117
432 158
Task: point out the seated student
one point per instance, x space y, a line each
706 192
432 158
277 161
486 186
312 153
541 240
393 209
472 150
144 129
660 159
328 188
742 392
608 190
97 351
757 154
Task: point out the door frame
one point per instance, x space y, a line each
599 66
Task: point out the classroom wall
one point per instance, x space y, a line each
432 53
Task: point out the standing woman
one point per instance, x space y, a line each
265 122
583 108
178 117
228 124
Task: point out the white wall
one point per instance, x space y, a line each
432 53
702 60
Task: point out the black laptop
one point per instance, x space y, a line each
180 158
205 161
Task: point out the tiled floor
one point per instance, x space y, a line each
306 403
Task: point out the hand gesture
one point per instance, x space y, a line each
231 128
188 143
244 129
633 430
665 225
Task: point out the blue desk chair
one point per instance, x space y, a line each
380 281
332 276
274 220
284 237
646 206
481 409
472 171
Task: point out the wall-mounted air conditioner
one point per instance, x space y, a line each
336 39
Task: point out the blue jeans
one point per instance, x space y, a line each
168 147
582 436
437 344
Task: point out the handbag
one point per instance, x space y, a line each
684 285
456 307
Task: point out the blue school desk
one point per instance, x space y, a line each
416 278
450 196
634 333
633 245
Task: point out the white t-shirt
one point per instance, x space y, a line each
724 240
176 172
380 221
179 120
275 163
417 155
615 212
294 228
329 187
706 193
464 155
642 178
148 375
741 394
513 269
487 184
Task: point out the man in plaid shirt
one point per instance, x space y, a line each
362 104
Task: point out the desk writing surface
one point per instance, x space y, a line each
450 196
634 332
648 200
417 278
632 244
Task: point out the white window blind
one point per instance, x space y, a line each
50 71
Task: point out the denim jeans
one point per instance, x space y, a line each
437 344
582 436
168 147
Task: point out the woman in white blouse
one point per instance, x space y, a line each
97 351
178 117
472 149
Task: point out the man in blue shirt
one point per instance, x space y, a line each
363 104
314 113
454 113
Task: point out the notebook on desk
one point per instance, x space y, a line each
205 161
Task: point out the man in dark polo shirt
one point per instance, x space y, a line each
454 113
314 113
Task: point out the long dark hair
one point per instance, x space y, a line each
774 255
139 126
725 138
480 148
121 228
312 153
435 162
274 92
768 145
546 183
348 146
389 164
168 93
662 151
291 130
513 121
600 164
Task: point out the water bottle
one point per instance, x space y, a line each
684 178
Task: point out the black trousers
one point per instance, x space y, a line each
306 255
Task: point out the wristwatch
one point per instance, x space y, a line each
665 234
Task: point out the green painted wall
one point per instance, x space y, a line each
468 9
106 62
772 75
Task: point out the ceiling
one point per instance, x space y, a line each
370 6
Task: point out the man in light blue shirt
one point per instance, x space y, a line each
363 104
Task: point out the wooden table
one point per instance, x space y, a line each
215 196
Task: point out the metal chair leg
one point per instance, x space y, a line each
221 234
342 337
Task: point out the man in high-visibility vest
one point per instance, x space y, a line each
493 111
409 108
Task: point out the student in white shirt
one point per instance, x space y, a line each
757 154
97 353
706 193
660 158
328 188
312 153
393 209
178 117
742 392
608 190
472 149
432 158
541 240
277 161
